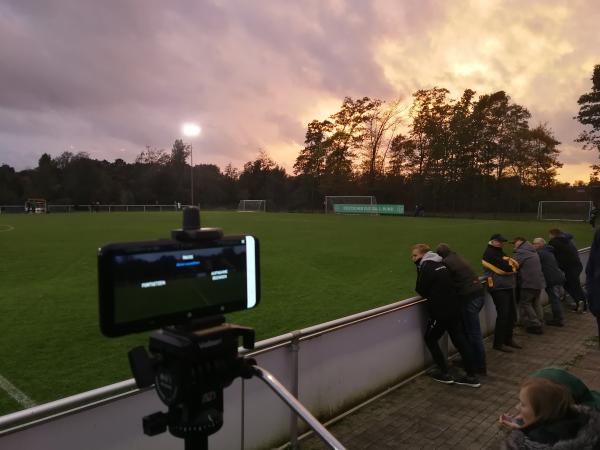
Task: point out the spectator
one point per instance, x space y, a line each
472 298
555 278
435 284
500 271
592 274
530 282
569 262
581 394
548 419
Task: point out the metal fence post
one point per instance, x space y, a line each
243 408
294 349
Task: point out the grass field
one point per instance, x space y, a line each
314 268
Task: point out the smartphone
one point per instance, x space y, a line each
516 420
148 285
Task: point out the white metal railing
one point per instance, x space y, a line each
68 208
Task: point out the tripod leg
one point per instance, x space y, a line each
293 403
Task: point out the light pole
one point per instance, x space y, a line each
191 130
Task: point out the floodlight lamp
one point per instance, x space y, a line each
191 129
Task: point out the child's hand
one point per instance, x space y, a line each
510 422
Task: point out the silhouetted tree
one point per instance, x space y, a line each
589 114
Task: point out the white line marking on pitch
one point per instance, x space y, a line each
8 228
19 396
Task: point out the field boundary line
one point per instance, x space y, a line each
19 396
9 228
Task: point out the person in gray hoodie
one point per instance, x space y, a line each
530 282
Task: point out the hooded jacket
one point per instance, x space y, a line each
592 275
566 254
581 394
464 278
552 273
580 430
499 269
530 275
435 284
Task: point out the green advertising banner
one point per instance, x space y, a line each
342 208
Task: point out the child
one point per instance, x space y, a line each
547 418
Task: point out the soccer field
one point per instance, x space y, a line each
314 268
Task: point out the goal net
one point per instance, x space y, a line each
331 200
252 206
574 211
35 205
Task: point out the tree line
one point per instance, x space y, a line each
475 153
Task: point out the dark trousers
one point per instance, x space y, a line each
505 316
470 315
554 299
435 330
573 285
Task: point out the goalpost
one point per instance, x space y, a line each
567 210
252 206
331 200
36 205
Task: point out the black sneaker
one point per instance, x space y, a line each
442 377
468 380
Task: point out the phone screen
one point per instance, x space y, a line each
146 285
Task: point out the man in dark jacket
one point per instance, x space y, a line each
435 284
501 272
530 282
592 274
471 294
555 278
569 262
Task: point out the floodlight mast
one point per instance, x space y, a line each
191 130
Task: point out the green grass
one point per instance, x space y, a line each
314 268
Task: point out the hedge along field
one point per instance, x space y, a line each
314 268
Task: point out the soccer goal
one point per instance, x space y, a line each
567 210
35 205
331 200
252 206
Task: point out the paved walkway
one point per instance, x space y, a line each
424 414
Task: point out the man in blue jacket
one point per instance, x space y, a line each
443 305
472 296
555 278
569 262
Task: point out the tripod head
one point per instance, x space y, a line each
189 370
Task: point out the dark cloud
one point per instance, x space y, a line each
114 76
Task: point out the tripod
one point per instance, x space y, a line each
190 369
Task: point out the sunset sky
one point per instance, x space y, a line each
110 77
